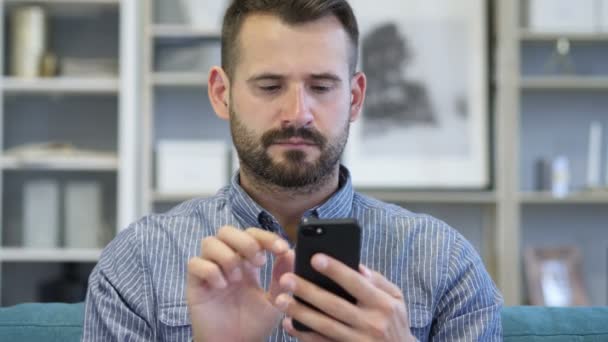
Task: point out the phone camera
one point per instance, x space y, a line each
313 231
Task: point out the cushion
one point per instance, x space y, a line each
42 322
574 324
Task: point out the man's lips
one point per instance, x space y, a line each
295 142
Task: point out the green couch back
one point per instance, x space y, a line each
534 323
58 322
51 322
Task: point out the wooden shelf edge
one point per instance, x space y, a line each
564 82
573 198
166 79
69 2
82 85
454 197
64 164
529 35
16 254
182 31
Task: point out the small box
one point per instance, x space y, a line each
83 214
191 167
562 16
41 214
603 14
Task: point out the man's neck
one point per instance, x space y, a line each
288 205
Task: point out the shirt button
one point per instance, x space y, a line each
266 221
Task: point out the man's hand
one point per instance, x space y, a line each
225 298
379 315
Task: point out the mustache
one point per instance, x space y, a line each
308 134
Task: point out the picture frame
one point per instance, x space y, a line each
425 120
554 276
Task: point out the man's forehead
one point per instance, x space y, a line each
317 47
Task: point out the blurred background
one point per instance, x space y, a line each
489 114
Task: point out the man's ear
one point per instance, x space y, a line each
219 92
357 95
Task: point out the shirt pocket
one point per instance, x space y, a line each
174 323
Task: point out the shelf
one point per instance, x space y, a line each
67 2
461 197
191 79
574 198
527 35
183 31
61 85
453 197
175 198
68 8
564 82
49 255
60 164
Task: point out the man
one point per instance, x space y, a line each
220 269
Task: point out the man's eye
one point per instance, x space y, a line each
271 88
321 88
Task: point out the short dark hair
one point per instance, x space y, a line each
291 12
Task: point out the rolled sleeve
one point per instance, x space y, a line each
470 306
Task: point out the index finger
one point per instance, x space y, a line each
269 241
352 281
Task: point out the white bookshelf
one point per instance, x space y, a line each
163 85
103 103
528 95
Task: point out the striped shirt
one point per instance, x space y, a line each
137 289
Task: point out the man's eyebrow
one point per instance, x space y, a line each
326 76
265 76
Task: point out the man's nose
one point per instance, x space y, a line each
297 111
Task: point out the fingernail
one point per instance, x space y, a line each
366 272
280 246
319 261
236 274
282 302
260 258
220 283
289 284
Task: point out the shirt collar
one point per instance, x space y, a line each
250 213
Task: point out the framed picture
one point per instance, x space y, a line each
554 277
425 119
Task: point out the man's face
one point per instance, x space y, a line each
290 99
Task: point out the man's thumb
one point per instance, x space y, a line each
282 264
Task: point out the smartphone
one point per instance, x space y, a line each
337 238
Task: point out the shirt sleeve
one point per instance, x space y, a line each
116 304
470 306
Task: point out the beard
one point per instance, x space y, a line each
294 171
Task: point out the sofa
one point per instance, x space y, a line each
63 322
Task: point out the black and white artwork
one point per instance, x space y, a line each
424 121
